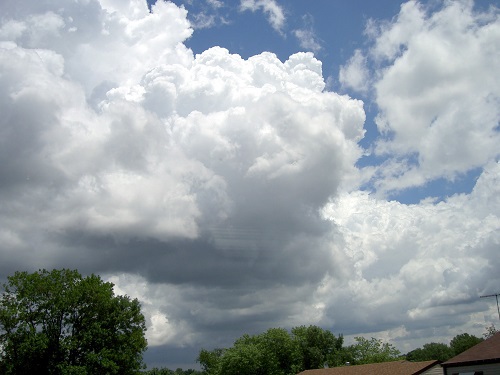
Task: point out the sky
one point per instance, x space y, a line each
251 164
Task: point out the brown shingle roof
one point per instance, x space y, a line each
486 351
385 368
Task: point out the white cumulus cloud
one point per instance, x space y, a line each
221 190
355 74
437 96
274 12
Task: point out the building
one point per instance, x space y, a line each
384 368
481 359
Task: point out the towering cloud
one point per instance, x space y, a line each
123 152
224 193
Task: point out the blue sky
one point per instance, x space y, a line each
243 165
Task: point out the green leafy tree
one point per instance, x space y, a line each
60 323
259 354
431 351
462 342
280 350
210 360
159 371
370 351
246 357
317 347
274 352
167 371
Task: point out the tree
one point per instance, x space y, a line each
267 353
167 371
280 349
371 351
317 347
209 360
462 342
159 371
246 357
274 352
58 322
431 351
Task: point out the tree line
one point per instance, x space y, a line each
281 352
61 323
443 352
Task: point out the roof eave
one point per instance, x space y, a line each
468 363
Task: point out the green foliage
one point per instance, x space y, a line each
317 347
280 348
246 358
274 352
57 322
370 351
462 342
443 352
210 360
431 351
166 371
279 352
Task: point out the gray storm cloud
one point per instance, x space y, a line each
205 170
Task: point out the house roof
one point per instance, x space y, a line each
385 368
486 351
